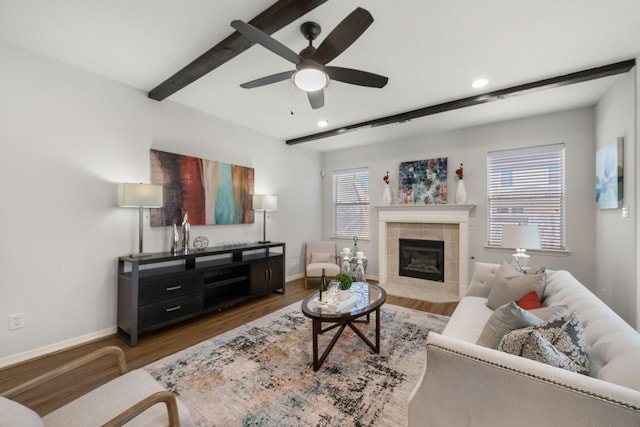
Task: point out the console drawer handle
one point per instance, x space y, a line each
177 307
174 288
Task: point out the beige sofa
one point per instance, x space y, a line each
465 384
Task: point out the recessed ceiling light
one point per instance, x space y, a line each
323 123
477 84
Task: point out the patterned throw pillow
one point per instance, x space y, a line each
559 342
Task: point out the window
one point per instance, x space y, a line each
351 203
526 186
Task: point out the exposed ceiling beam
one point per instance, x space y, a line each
277 16
550 83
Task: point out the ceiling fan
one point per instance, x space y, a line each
312 74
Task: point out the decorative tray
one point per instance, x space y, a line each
334 306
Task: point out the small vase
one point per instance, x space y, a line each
461 193
386 195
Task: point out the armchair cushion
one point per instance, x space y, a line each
14 414
315 270
103 403
317 257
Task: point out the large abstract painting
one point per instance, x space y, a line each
423 182
212 192
610 175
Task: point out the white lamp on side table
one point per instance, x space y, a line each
140 196
521 238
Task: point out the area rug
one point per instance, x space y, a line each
260 374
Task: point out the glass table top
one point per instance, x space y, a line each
363 298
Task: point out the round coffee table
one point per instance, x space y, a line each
368 298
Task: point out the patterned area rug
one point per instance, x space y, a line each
260 373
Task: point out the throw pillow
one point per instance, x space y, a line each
547 341
514 288
320 257
530 301
551 312
533 345
506 318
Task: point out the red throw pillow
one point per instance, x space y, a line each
529 301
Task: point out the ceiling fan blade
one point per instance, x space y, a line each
356 77
268 42
267 80
316 99
343 35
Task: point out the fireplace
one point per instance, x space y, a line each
422 259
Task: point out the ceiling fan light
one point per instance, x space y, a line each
310 79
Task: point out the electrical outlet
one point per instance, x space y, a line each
16 321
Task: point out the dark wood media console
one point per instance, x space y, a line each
163 288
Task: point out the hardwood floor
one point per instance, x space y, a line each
157 345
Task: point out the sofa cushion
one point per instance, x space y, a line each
14 414
513 288
468 319
506 318
559 342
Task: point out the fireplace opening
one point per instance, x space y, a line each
422 259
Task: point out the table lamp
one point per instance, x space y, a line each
264 203
140 196
521 238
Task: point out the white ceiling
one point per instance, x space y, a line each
431 50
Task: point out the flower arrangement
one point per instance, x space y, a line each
386 178
460 171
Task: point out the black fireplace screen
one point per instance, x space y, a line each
422 259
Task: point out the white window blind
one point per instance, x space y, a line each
526 186
351 203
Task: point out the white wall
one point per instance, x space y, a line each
615 243
67 137
470 146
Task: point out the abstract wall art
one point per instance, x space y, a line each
212 192
423 182
610 175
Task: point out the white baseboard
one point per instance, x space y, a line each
37 352
294 277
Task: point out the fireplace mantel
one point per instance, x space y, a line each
426 214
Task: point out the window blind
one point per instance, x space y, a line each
526 186
351 202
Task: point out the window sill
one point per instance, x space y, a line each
547 252
360 239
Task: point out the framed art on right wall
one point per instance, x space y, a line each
610 175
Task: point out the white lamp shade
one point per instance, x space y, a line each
262 202
520 236
310 79
140 195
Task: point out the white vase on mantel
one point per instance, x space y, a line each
386 195
461 193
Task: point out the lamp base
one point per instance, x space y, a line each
262 242
521 259
140 254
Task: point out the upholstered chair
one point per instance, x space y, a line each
133 398
319 255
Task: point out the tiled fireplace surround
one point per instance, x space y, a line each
430 222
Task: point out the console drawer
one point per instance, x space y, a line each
152 290
163 311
